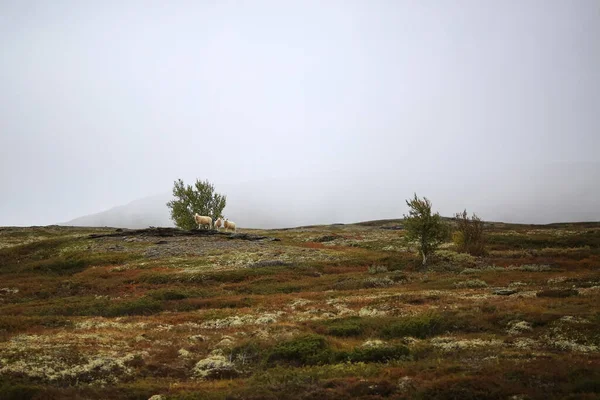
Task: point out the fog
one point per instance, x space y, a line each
302 112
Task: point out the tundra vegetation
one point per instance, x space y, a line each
328 312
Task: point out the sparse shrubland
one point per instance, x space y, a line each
328 312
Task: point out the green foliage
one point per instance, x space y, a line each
303 350
420 326
469 237
346 327
315 350
455 259
200 198
426 229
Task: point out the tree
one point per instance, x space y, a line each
200 198
426 229
469 237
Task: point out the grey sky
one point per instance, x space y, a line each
105 102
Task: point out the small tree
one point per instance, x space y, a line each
426 229
200 198
469 237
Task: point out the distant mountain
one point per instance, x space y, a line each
554 193
141 213
265 205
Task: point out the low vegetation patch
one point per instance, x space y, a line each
328 312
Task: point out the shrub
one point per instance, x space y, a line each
314 350
454 258
303 350
469 236
420 326
353 326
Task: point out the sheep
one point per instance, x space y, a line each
229 224
218 223
203 221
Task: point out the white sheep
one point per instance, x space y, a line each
229 225
218 223
202 220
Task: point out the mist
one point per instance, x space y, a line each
301 112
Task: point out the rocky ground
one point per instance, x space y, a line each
341 311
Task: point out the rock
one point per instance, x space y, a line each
504 291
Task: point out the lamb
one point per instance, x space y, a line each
202 220
218 223
229 224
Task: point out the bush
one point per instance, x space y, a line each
353 326
469 236
420 326
314 350
303 350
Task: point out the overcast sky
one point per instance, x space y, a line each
104 102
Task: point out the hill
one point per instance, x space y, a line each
327 311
